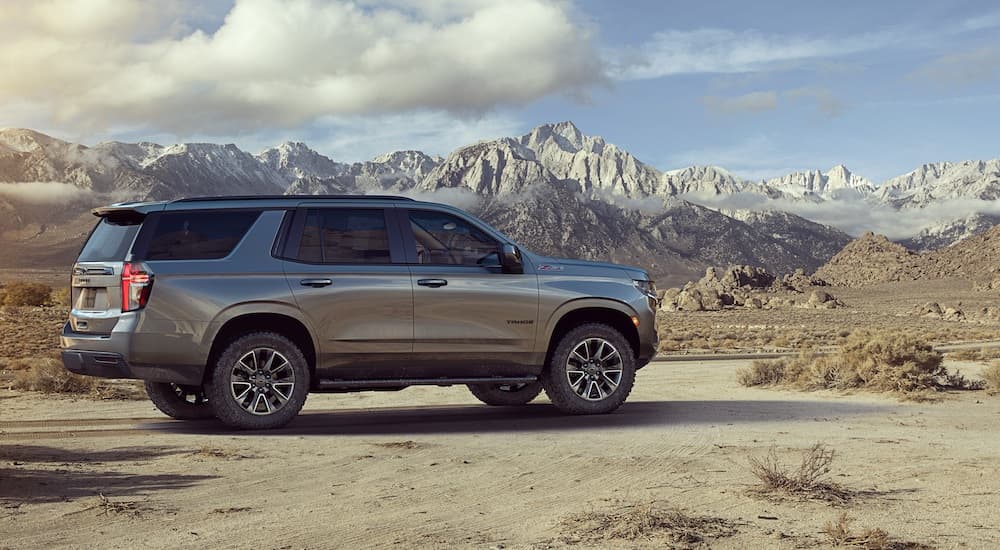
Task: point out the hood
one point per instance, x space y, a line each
567 266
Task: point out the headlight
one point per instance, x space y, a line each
649 289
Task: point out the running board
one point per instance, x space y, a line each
403 382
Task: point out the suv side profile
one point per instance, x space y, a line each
238 307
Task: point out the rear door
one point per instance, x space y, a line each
346 268
96 279
470 318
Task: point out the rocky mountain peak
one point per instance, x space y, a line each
295 159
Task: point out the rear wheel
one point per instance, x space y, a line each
591 370
259 382
506 394
179 401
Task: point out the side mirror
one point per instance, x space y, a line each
510 259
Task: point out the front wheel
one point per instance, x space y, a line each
259 382
178 401
506 394
591 370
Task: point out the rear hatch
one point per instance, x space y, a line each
97 274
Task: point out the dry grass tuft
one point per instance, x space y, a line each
108 507
47 375
21 293
991 375
884 362
838 533
810 480
647 521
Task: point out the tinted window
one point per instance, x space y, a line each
336 235
445 239
198 235
110 240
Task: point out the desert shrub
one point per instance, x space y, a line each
891 362
61 296
839 534
644 522
762 373
991 375
26 294
809 480
48 376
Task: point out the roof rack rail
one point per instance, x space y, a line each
300 197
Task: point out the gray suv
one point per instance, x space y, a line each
238 307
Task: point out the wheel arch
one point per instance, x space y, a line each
590 310
248 318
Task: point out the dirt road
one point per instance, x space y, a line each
430 467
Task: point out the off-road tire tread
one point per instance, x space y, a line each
557 387
228 411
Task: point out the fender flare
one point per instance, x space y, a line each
257 307
583 303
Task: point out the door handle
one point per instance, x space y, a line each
433 283
316 283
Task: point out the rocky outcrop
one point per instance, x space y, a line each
873 259
749 287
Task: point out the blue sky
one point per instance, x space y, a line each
760 88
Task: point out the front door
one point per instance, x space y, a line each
355 288
470 318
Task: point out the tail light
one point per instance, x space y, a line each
137 283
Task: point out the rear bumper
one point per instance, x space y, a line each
107 356
112 365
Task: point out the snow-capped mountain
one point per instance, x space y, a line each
971 179
294 159
838 183
554 188
949 232
705 181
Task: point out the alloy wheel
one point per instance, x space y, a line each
594 369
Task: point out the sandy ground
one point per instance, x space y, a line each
430 467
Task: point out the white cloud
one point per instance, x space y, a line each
855 216
283 63
674 52
43 192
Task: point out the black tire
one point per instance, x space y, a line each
593 392
506 395
249 395
179 402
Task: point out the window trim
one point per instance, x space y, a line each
403 220
290 249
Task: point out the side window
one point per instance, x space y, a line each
198 235
445 239
340 235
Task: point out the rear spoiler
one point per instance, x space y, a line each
127 209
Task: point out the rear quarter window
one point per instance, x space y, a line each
198 234
110 240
